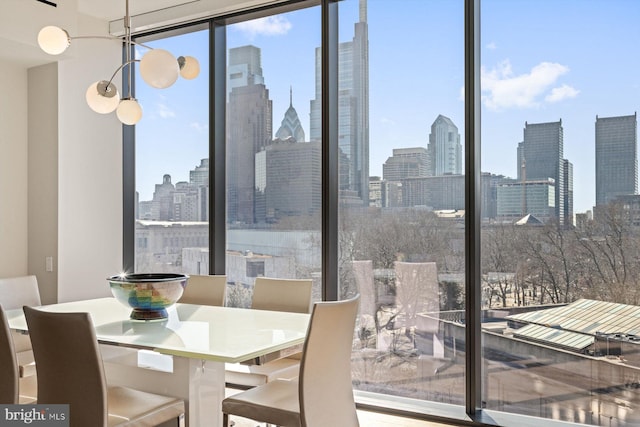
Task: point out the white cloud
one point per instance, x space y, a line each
563 92
199 127
165 112
502 89
491 46
387 121
268 26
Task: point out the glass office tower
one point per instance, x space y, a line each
353 110
616 157
541 153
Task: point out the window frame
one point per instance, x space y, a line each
469 414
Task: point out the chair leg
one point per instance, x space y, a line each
225 420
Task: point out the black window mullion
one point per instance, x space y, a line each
128 181
330 196
217 148
473 311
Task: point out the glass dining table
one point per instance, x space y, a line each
192 346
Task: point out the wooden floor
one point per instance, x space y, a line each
372 419
367 419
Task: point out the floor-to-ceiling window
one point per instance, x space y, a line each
557 191
560 244
172 166
401 202
273 151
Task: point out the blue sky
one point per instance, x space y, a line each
542 60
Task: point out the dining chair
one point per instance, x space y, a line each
323 394
12 390
206 290
16 292
70 371
8 364
274 294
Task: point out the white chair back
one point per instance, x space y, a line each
325 388
293 295
16 292
205 290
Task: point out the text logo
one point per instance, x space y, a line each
34 415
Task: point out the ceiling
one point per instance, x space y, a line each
115 9
21 50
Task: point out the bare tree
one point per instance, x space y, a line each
552 263
500 255
609 255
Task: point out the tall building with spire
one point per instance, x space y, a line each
249 130
291 128
353 109
616 157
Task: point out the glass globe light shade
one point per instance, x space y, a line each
159 68
53 40
189 67
103 97
129 111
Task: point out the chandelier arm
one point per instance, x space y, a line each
120 68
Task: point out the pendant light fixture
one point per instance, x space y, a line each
158 68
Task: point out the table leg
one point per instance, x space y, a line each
200 383
206 391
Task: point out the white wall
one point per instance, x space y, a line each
13 170
42 171
89 172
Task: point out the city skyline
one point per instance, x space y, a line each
556 66
535 178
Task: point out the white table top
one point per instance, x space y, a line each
222 334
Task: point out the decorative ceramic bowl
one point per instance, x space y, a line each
149 294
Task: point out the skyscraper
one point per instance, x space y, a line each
288 180
249 130
405 163
616 157
353 108
539 200
161 207
540 157
245 67
291 126
199 176
445 150
568 192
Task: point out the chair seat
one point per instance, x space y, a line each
245 376
128 407
275 402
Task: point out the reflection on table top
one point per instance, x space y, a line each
221 334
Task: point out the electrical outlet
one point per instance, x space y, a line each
49 263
